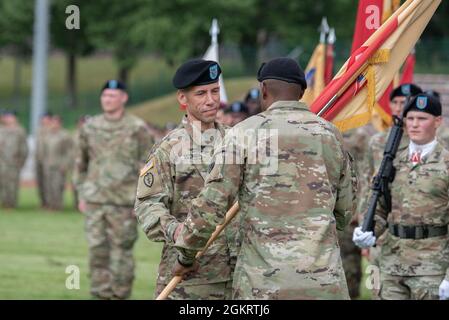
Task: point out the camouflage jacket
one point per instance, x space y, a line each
108 159
173 177
57 150
13 146
295 185
356 142
420 196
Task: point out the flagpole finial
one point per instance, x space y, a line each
214 31
331 38
323 29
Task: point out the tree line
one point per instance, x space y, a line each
177 29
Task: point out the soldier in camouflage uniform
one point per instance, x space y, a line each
355 141
57 161
443 130
111 150
414 257
373 158
374 154
13 153
174 176
292 201
40 154
81 121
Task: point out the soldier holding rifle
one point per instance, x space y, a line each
414 258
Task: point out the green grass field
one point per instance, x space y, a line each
36 246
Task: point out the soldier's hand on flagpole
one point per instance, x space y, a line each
365 252
185 271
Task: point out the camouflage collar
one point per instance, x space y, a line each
289 105
433 157
185 124
108 124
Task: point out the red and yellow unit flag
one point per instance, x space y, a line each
348 100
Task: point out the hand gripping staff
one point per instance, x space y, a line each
176 280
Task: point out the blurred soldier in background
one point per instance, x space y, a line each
112 148
57 161
356 142
443 130
40 153
236 112
252 101
220 113
13 153
81 121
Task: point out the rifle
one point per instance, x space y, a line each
385 175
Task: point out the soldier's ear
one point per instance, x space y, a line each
125 97
182 97
263 90
438 121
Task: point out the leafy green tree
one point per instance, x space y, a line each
73 42
16 35
110 27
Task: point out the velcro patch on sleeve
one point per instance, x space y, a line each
150 182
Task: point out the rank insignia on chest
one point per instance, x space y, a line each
148 167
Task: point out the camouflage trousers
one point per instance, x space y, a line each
54 183
409 288
111 233
352 261
9 186
373 258
211 291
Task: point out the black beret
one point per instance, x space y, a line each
196 72
425 103
404 90
236 107
47 114
284 69
114 84
252 94
434 93
7 112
